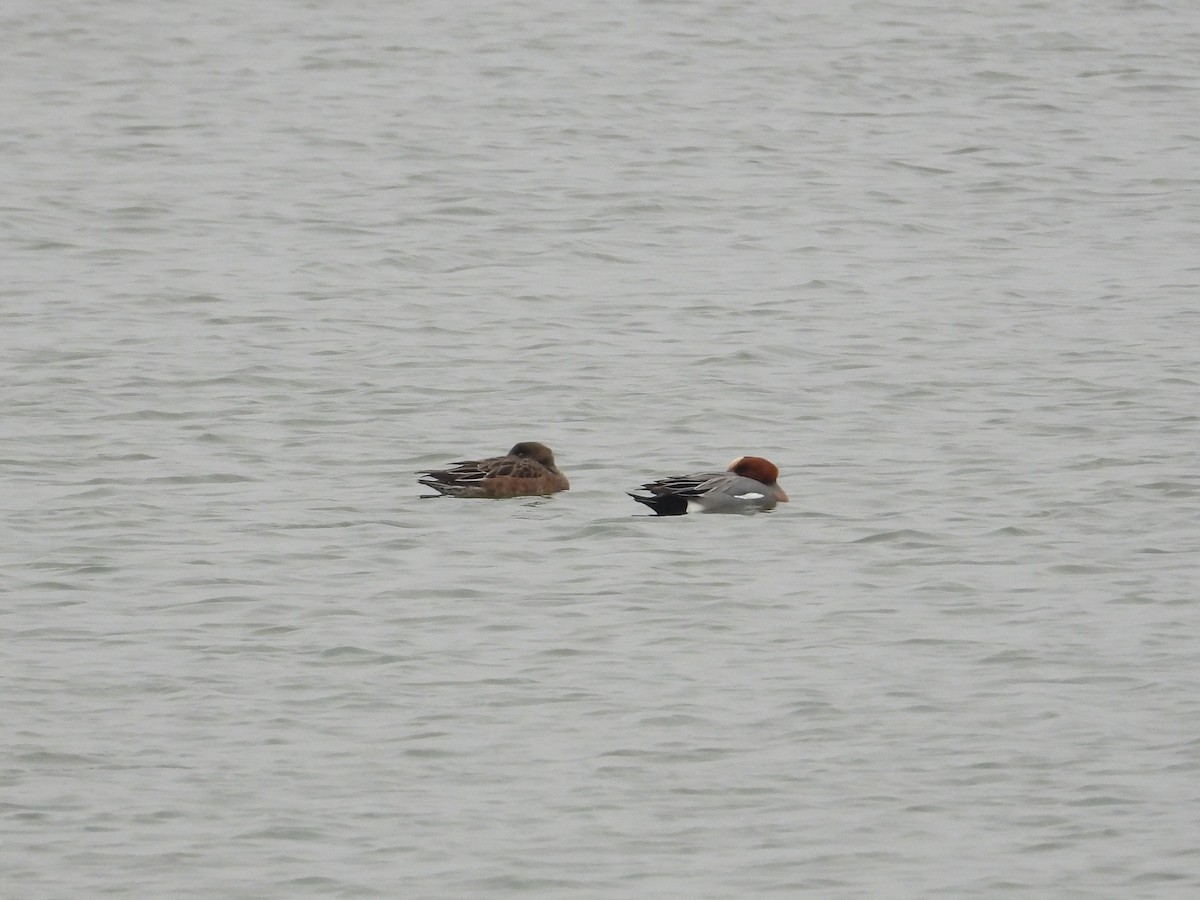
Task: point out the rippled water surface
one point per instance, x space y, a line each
264 262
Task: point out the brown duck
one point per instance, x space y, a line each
527 470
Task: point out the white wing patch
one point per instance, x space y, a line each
750 496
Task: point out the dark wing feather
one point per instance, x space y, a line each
683 485
475 470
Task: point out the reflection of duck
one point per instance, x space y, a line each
527 471
750 484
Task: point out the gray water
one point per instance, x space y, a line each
262 262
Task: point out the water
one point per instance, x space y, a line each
264 263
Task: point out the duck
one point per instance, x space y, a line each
750 484
527 470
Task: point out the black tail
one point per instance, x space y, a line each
664 504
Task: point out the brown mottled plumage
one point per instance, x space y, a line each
527 471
